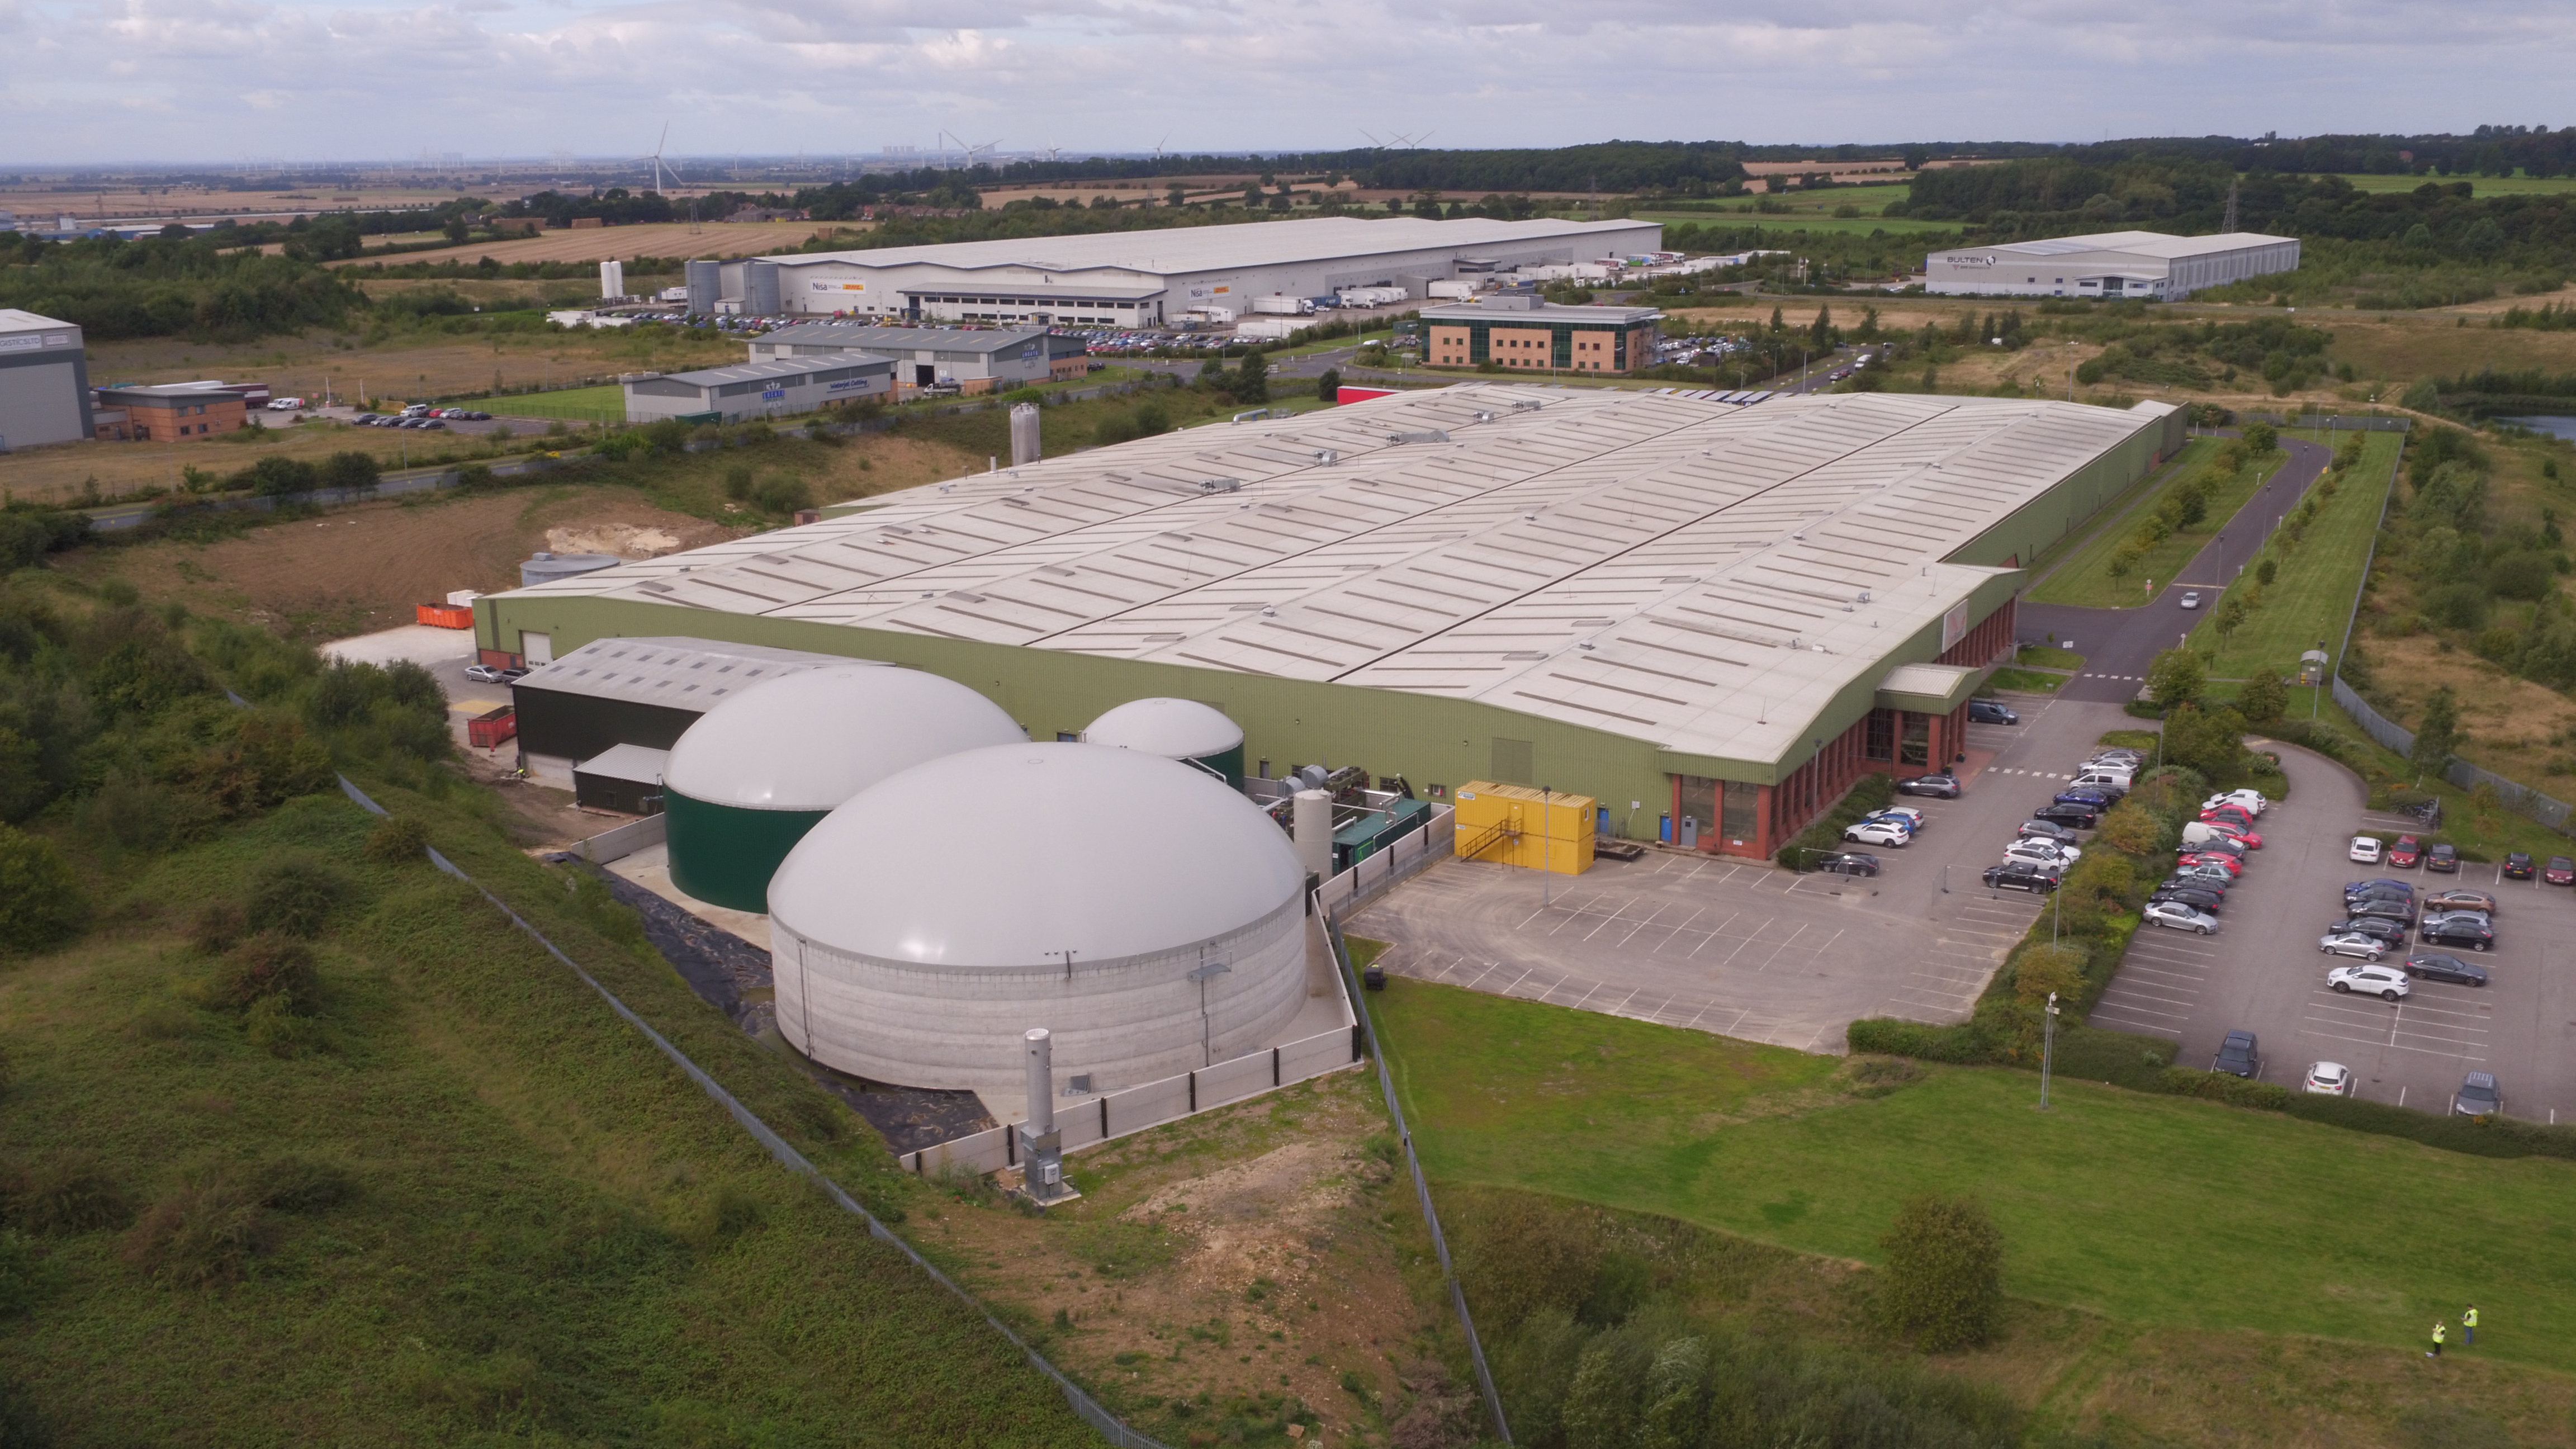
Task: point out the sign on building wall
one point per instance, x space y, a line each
1954 626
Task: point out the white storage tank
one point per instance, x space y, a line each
544 568
1149 917
1176 729
756 772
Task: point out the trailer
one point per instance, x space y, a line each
1271 329
1277 306
1453 291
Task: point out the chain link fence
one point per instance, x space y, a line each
1111 1427
1421 1188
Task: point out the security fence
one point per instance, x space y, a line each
1110 1426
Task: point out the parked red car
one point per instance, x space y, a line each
2559 871
2251 840
2234 866
2236 815
2406 854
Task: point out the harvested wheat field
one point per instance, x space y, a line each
361 569
652 239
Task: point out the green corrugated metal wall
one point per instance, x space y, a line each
724 854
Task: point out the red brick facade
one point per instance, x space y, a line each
1884 741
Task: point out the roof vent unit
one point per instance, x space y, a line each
1326 457
1220 485
1427 435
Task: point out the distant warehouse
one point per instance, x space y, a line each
1144 278
44 381
984 360
769 389
2109 265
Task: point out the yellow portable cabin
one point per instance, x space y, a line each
1516 825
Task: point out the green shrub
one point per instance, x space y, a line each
295 1184
70 1193
266 966
1943 1282
217 925
398 839
204 1232
779 493
296 893
41 901
1523 1254
2092 1054
271 1024
2221 1087
1868 794
1968 1043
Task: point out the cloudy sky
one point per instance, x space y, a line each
220 80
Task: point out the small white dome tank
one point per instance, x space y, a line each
1176 729
925 925
756 772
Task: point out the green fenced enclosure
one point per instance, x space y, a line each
602 404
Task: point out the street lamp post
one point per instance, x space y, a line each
2047 1049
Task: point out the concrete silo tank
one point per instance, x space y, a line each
1176 729
756 772
1149 917
545 568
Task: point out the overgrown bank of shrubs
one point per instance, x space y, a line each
1605 1331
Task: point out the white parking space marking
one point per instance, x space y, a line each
2159 984
2445 1025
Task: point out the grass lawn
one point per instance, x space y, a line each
2041 656
2150 1210
2026 681
603 404
2312 596
2085 579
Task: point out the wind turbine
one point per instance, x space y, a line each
656 159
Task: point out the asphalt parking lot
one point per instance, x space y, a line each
1742 948
1734 947
2262 971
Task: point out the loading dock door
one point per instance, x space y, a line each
925 374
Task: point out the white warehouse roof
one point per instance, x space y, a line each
691 674
1242 244
1673 569
2134 243
2111 264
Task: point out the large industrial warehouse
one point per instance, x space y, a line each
1142 278
2110 265
1718 612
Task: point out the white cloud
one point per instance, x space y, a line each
352 79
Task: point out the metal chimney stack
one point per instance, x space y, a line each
1024 434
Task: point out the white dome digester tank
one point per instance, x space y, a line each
1150 917
756 772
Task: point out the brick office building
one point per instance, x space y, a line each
1524 334
177 411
